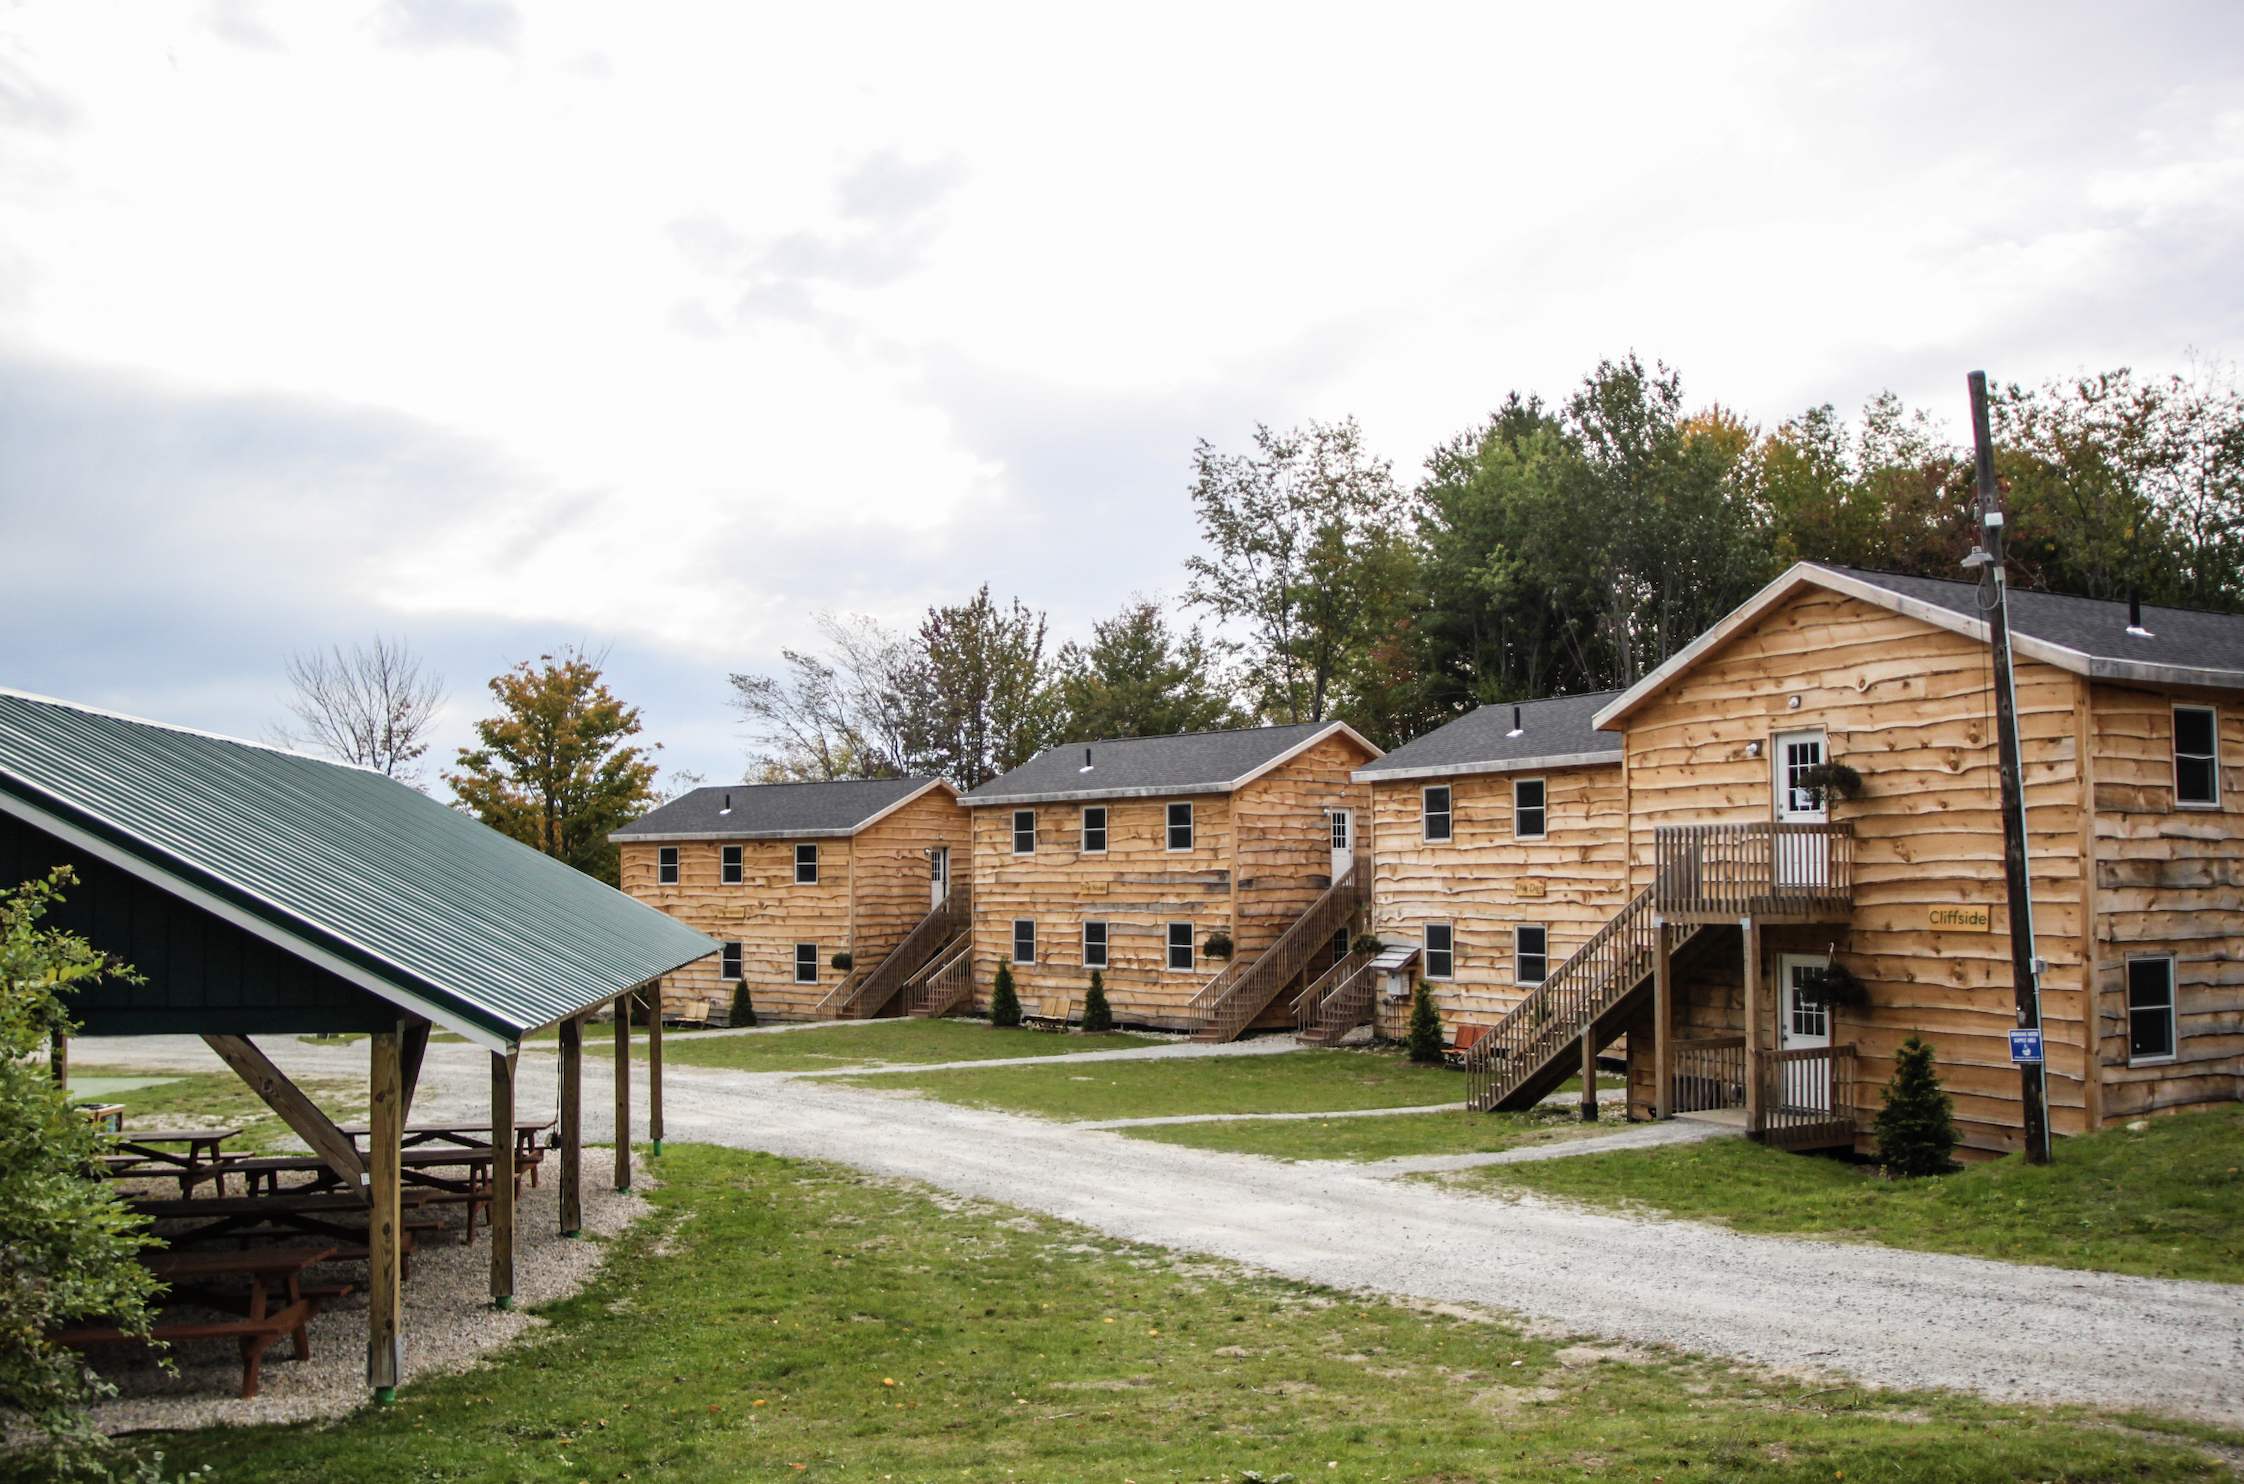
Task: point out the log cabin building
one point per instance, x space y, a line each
829 898
1744 878
1497 848
1208 876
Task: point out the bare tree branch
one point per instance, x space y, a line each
370 706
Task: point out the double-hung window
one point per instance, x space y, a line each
1094 829
666 865
806 963
2150 1009
1024 940
1180 826
1094 945
1435 812
1534 956
2197 757
728 966
806 865
1024 832
1441 951
1180 945
1527 809
729 866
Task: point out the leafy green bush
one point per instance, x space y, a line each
67 1242
1425 1026
1005 1001
1917 1126
1097 1017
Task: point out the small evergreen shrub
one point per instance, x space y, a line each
1425 1026
743 1008
1097 1017
1005 1001
1917 1126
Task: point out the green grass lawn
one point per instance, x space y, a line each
1341 1137
2165 1202
784 1321
884 1043
217 1099
1289 1082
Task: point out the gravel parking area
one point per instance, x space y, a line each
449 1323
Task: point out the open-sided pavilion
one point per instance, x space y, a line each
258 891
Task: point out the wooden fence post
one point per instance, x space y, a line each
623 1091
1756 1036
1589 1070
384 1143
572 1126
502 1179
1663 1022
654 1066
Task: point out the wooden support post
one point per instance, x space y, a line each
1589 1072
654 1066
1663 1022
58 1059
300 1113
623 1092
1756 1036
384 1221
572 1126
502 1179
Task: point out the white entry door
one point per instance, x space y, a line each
1801 859
1343 842
938 876
1803 1023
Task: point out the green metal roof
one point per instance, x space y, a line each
363 875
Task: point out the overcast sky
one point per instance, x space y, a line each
656 328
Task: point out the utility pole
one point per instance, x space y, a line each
2025 964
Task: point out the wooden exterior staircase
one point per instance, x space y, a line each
865 995
945 984
1231 1001
1344 997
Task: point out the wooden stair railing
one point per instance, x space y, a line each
1232 1000
928 937
944 984
830 1003
1337 1003
1548 1024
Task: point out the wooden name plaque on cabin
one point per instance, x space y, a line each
1969 919
1094 888
1531 886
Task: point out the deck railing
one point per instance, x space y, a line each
1809 1096
1342 998
943 985
1709 1074
1232 1000
1592 980
873 992
1763 869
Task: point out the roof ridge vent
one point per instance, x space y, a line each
2135 616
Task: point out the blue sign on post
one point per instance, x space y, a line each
2025 1046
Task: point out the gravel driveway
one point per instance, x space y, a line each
1893 1318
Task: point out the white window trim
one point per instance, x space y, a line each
1016 823
2214 804
736 953
1544 809
667 859
814 865
1191 828
1083 830
1106 944
1448 815
1030 961
1519 954
1426 952
2173 1011
798 965
1169 948
737 864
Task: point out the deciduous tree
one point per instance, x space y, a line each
990 704
1138 678
368 705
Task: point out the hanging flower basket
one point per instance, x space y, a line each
844 962
1217 946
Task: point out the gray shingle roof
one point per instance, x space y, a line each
777 811
1143 767
368 878
1554 733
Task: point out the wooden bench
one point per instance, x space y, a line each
255 1329
1468 1036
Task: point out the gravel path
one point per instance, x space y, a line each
1888 1317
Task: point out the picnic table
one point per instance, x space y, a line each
418 1166
145 1154
469 1134
257 1325
244 1218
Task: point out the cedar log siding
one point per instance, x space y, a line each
1481 879
2169 881
1911 708
1259 857
862 903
